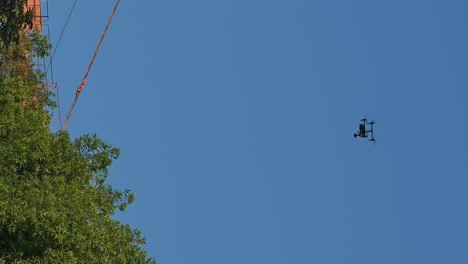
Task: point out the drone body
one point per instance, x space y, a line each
366 129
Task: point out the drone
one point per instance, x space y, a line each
363 130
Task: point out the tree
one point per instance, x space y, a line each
57 207
55 203
14 18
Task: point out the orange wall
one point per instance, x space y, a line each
36 5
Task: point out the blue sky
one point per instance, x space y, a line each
235 122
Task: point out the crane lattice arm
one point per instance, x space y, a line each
85 78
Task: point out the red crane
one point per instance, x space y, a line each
85 78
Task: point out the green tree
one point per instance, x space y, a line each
38 44
14 18
55 203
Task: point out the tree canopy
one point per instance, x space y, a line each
55 203
14 18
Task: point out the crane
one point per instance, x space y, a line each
85 78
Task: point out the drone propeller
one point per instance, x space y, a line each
374 142
373 132
372 122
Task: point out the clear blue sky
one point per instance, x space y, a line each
236 118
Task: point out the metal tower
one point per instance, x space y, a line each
44 65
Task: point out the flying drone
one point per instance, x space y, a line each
366 128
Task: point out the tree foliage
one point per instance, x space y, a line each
14 18
55 203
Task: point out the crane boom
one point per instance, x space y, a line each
85 78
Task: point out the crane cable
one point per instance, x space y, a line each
85 78
61 35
